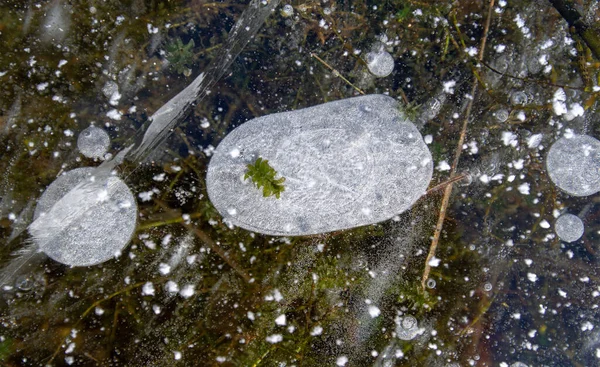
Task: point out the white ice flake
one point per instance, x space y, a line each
148 289
317 330
187 291
524 188
341 361
281 321
449 86
374 311
275 338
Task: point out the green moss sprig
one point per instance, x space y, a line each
263 175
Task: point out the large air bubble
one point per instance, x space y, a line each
569 227
93 142
81 220
346 164
573 164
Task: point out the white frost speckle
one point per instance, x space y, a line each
524 188
187 291
275 338
544 224
317 330
428 139
148 289
587 326
234 153
114 114
434 262
443 166
374 311
341 361
471 51
280 320
558 102
164 269
145 196
177 355
532 277
449 86
172 287
534 141
508 138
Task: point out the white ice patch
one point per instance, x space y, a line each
374 311
509 138
449 86
534 141
148 289
280 320
275 338
317 330
187 291
434 262
443 166
341 361
524 188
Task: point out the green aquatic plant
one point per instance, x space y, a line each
263 175
180 55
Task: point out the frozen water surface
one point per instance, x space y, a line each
573 164
475 271
569 227
346 163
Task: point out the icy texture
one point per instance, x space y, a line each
407 328
93 142
84 220
380 63
569 227
574 165
177 108
347 163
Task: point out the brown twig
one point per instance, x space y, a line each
446 183
336 73
457 153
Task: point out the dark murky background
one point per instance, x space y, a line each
189 290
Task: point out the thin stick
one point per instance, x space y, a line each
336 73
446 183
457 153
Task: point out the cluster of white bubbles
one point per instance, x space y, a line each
93 142
569 227
407 327
347 163
83 220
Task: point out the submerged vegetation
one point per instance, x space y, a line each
190 289
263 175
